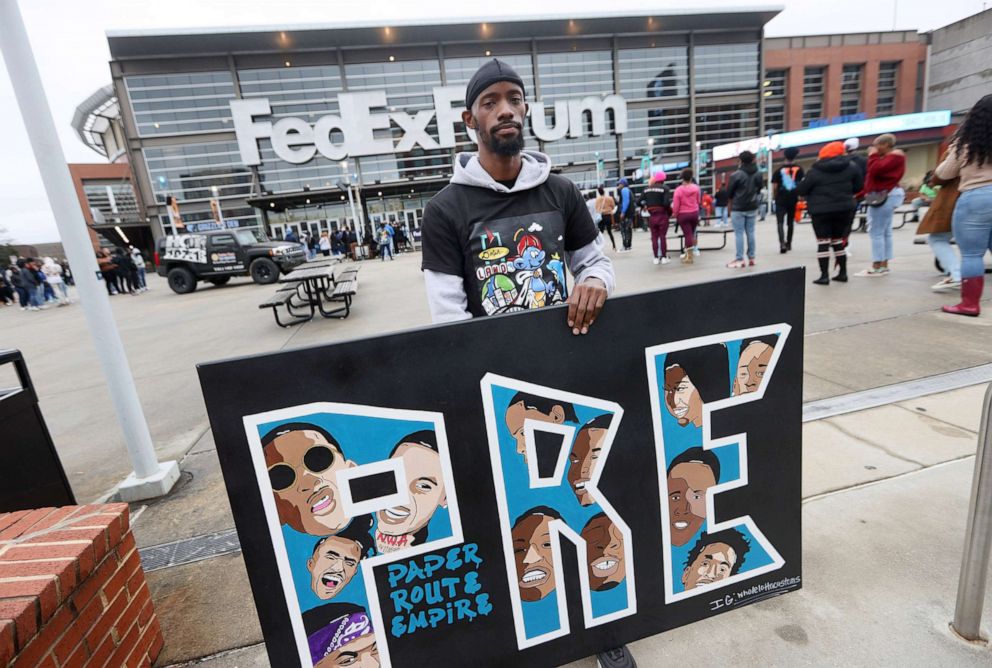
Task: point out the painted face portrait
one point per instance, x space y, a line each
751 367
687 485
346 641
303 468
359 653
582 461
425 489
682 398
533 557
604 553
519 411
333 565
714 563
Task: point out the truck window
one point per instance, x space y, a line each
248 237
222 240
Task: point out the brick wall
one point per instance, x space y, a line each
72 592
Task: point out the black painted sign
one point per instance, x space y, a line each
499 492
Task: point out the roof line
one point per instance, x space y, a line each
459 20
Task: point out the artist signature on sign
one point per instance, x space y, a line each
756 593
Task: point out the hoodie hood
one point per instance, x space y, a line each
836 164
749 168
469 172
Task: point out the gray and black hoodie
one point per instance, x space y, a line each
492 247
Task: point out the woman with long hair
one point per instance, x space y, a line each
970 158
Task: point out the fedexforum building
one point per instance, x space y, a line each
273 124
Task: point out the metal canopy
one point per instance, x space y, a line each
139 44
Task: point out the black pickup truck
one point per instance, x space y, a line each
186 259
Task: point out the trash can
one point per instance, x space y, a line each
31 475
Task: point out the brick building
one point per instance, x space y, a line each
818 79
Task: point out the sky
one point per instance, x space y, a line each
70 46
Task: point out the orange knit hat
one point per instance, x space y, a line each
832 150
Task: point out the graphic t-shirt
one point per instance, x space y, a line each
787 177
509 248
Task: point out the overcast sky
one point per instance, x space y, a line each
68 37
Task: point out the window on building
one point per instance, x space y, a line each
888 76
408 87
572 74
166 104
813 80
667 127
850 89
189 172
112 202
773 89
725 67
657 72
725 123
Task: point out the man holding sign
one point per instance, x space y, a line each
500 237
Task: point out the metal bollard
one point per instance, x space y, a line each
978 535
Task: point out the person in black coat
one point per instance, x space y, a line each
829 188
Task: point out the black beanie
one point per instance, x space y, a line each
491 72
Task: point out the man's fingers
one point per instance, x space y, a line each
599 297
573 305
580 311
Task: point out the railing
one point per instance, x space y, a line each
978 536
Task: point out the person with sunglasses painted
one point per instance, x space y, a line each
303 461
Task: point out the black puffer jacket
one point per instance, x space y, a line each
830 186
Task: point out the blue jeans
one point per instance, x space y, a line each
880 225
972 224
721 213
940 244
743 222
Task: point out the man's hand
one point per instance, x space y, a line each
585 303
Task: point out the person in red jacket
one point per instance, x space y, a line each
886 167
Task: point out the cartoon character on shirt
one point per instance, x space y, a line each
530 275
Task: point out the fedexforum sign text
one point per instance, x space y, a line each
352 132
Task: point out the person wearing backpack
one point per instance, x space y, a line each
744 194
785 181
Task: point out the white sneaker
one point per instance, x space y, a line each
656 260
665 260
32 308
695 252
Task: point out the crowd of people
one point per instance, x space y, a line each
123 270
384 242
35 284
956 195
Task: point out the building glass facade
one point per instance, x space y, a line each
174 102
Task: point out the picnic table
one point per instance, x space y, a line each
306 290
712 230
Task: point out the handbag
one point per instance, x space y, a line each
938 217
876 197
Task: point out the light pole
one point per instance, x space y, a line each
150 477
351 201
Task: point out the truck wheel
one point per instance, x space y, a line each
264 271
181 280
221 280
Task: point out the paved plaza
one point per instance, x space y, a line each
885 489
